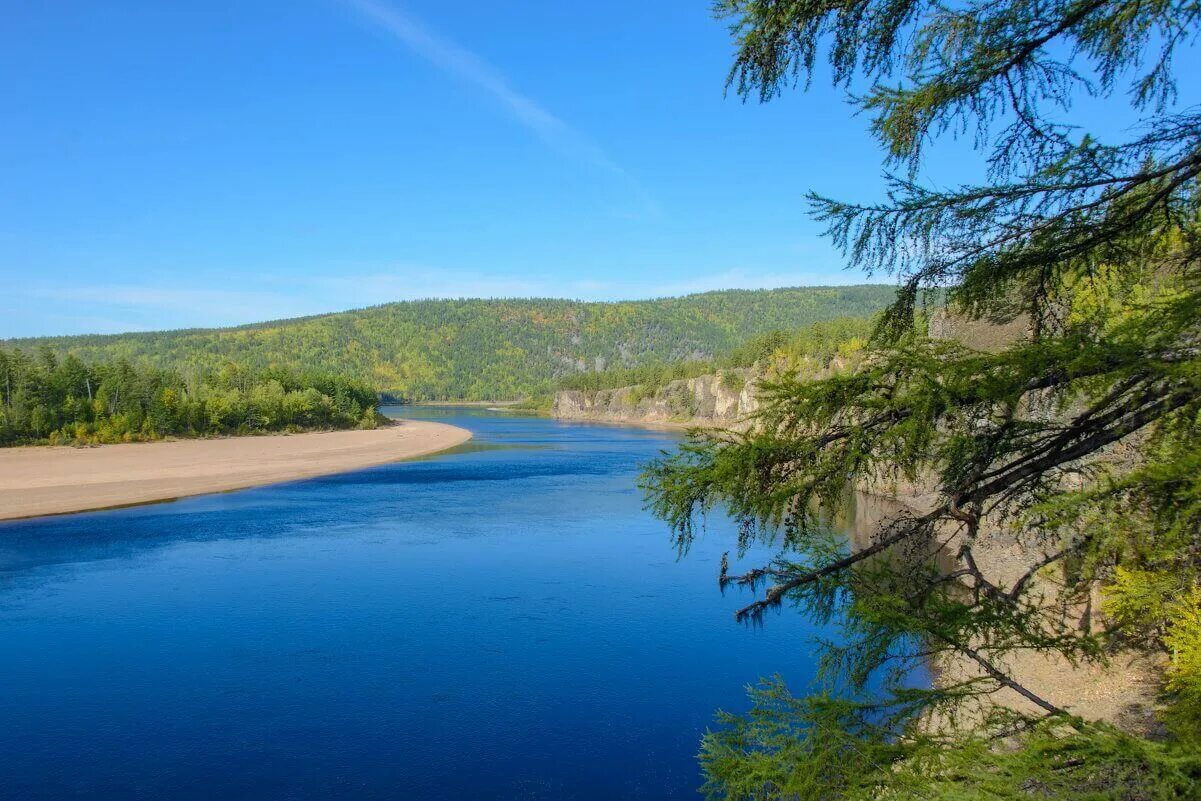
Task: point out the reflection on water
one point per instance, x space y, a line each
866 514
502 621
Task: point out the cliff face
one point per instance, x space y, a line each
723 399
1123 693
727 397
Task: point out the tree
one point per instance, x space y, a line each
1080 441
55 400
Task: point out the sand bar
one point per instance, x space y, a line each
44 480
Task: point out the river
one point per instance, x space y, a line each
503 621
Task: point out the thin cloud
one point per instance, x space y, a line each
112 308
468 67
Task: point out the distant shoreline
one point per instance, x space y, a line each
484 404
36 481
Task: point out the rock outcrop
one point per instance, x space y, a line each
723 399
1123 692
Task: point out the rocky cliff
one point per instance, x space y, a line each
1123 692
722 399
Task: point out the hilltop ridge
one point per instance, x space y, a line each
477 349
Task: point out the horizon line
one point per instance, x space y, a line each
442 299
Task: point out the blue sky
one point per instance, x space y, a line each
212 162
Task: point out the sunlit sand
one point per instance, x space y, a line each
54 480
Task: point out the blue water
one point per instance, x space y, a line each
500 622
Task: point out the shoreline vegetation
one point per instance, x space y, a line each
462 404
78 437
50 400
46 480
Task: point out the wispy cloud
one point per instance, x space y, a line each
112 308
463 64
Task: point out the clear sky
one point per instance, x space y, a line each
210 162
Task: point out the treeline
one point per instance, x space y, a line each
45 398
487 349
650 377
779 350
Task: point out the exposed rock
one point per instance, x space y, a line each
989 336
723 399
1123 692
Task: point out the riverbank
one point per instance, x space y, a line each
1122 692
461 404
44 480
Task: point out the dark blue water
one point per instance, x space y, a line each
501 622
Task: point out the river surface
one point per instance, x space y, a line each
503 621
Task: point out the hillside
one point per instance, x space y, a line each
721 393
486 349
716 392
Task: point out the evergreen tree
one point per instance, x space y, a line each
1079 441
48 399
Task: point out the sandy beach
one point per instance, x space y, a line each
47 480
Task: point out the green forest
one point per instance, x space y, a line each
484 349
813 346
48 399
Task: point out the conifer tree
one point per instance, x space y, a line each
1079 442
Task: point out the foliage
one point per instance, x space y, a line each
47 399
486 349
1079 442
819 746
1183 641
648 378
811 347
1139 599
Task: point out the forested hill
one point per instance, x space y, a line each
486 349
